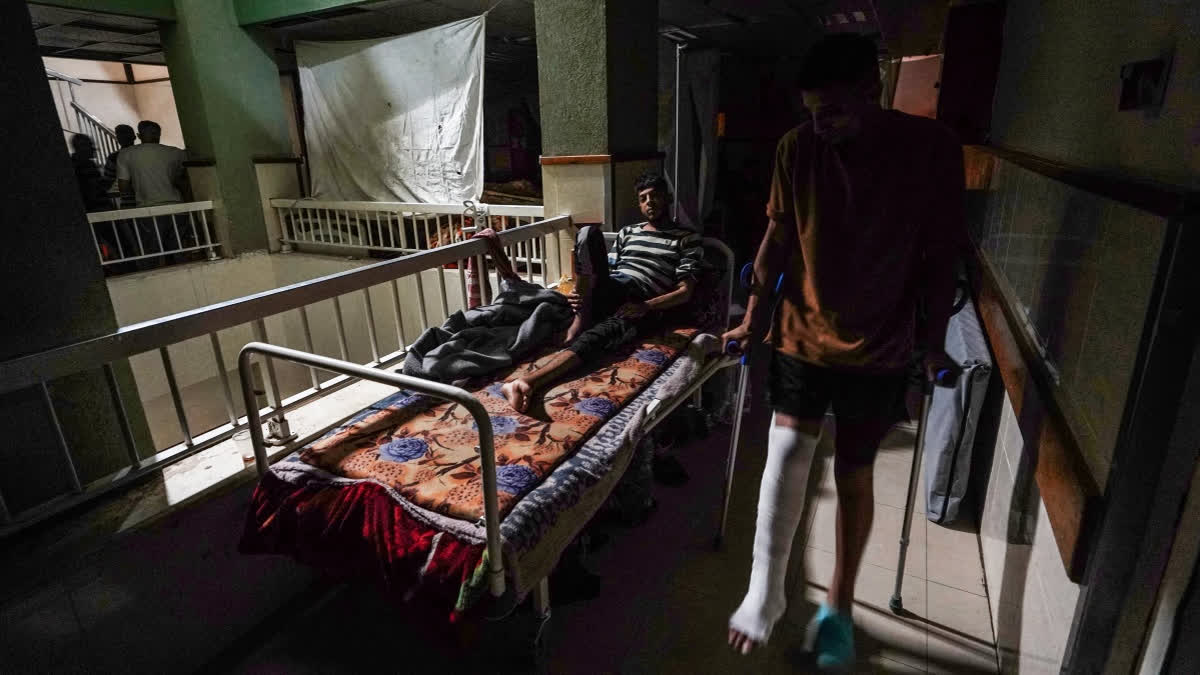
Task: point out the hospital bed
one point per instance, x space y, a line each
448 497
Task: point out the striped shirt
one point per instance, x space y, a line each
656 260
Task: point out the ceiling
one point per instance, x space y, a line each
89 35
771 28
730 24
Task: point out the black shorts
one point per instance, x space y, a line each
865 406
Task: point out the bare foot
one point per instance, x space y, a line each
517 392
740 642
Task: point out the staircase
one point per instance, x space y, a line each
104 138
84 121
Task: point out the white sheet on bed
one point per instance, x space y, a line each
396 119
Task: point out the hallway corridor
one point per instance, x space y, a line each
666 595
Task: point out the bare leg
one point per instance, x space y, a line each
854 473
519 391
584 286
856 509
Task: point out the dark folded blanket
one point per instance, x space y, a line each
485 339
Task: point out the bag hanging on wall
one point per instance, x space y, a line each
953 417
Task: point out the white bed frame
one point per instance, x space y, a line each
657 410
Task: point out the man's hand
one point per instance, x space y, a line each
574 300
937 360
632 310
740 335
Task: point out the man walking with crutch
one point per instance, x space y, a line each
866 224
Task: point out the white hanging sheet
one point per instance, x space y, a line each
396 119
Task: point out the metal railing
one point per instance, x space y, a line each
104 138
100 353
127 235
395 227
483 423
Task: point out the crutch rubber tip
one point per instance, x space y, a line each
896 605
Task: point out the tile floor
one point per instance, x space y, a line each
667 594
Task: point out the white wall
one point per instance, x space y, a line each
1060 80
1032 600
156 102
1056 97
114 102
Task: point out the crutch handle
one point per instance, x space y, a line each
947 377
746 276
732 348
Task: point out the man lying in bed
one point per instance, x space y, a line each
652 267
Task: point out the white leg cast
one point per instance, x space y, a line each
780 507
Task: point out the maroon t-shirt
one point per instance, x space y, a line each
880 223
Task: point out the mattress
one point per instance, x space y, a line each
394 493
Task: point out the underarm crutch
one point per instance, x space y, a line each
947 377
731 349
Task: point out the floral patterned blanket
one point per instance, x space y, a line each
425 451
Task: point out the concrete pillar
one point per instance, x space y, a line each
55 289
227 91
598 85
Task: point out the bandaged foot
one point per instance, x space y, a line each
780 506
517 392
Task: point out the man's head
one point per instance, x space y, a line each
83 146
125 135
149 131
653 196
839 82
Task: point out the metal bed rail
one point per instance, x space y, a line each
486 447
105 352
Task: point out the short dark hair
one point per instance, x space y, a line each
650 179
123 129
146 126
843 58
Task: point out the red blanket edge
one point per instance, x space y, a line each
358 532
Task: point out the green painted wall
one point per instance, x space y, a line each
572 82
227 91
597 76
260 11
57 294
147 9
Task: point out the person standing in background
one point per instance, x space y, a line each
125 138
92 187
151 170
154 173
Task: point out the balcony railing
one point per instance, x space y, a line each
127 235
392 227
376 283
